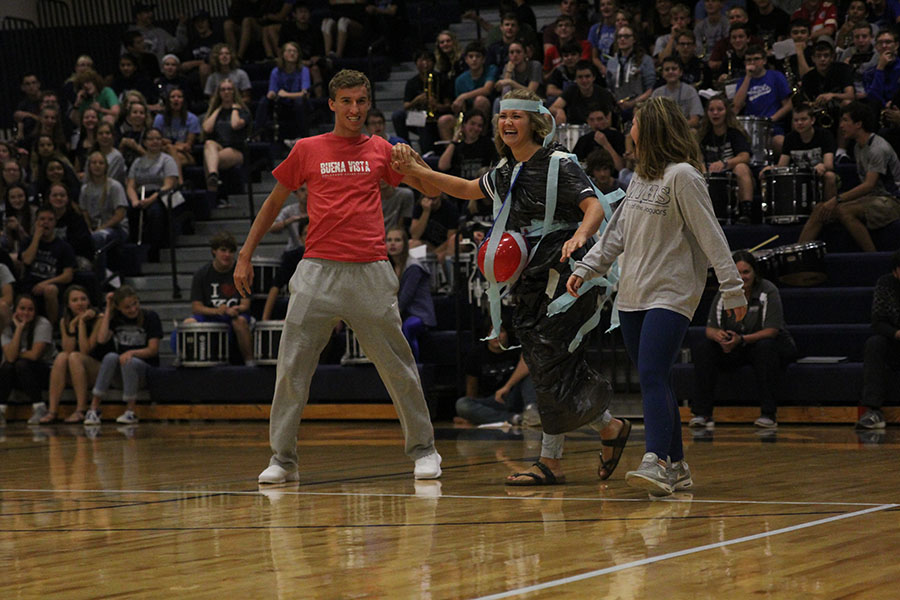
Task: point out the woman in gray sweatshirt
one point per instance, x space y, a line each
664 234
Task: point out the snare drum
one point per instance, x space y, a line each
568 134
789 194
801 264
760 131
353 353
264 270
766 264
430 262
266 340
723 193
202 344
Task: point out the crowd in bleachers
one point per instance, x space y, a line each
101 160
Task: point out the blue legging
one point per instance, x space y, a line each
653 338
412 328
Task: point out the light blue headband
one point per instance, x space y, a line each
531 106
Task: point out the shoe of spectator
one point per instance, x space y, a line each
651 476
428 467
515 420
872 419
277 474
766 423
213 180
531 417
127 418
680 475
92 417
701 421
40 409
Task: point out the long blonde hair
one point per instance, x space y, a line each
731 121
664 137
540 124
216 100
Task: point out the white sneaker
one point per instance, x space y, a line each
428 467
277 474
127 418
37 413
92 417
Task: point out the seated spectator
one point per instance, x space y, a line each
129 77
288 96
873 203
800 62
275 14
565 34
809 147
156 40
680 20
602 36
860 57
224 66
498 51
577 102
289 261
434 224
292 219
169 79
759 339
133 333
448 57
91 93
50 125
630 73
656 21
132 131
822 14
727 61
470 151
215 299
425 92
225 126
764 93
519 72
26 115
84 140
83 63
568 8
19 218
71 225
830 84
312 47
149 179
713 28
772 23
684 95
241 25
202 37
883 81
562 77
28 351
179 128
105 206
414 294
498 385
882 354
602 171
883 14
77 364
857 14
147 63
56 170
375 126
106 146
726 147
346 20
11 175
474 87
49 263
602 136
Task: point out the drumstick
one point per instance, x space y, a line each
768 241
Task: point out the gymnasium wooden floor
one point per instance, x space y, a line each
174 511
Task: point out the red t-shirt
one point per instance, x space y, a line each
344 202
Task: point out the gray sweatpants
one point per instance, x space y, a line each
363 295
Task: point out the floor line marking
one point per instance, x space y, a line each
679 553
291 492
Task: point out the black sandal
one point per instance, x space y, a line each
548 477
619 444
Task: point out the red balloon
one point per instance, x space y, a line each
510 258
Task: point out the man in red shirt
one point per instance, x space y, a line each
344 276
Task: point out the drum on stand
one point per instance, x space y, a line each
760 131
266 341
789 194
465 264
202 344
766 264
264 270
353 353
568 134
431 264
802 264
723 193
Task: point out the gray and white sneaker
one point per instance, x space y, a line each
766 423
701 421
872 419
530 416
40 409
127 418
92 417
680 476
652 475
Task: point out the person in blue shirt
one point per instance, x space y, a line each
883 81
764 93
474 88
289 84
414 295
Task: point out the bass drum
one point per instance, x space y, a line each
789 195
801 265
723 194
760 131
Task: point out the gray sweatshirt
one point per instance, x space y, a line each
667 235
